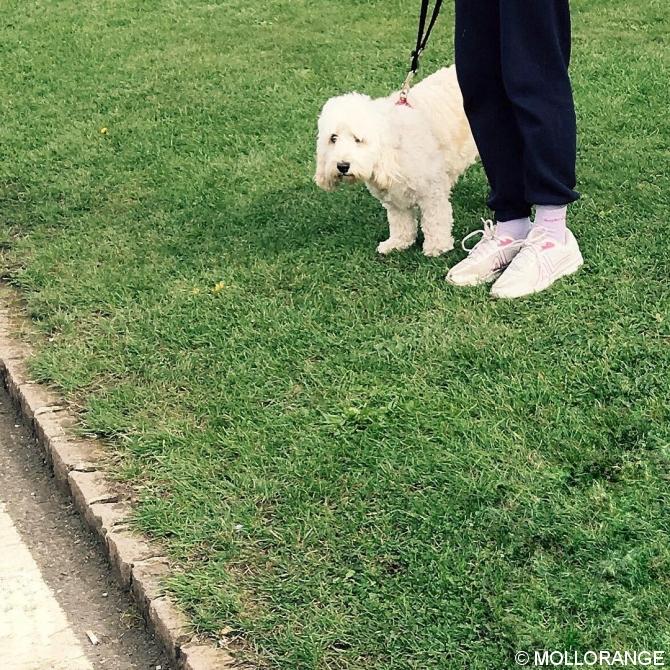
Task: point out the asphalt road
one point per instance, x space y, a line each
55 585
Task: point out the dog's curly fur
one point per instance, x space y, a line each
408 156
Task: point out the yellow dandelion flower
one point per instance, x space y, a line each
218 287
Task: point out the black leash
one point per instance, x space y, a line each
421 42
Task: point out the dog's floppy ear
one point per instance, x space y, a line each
320 176
385 170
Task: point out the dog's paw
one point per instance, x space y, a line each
437 248
387 246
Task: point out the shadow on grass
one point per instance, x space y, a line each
349 220
302 218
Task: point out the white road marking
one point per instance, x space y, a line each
34 631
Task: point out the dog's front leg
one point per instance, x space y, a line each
437 219
402 230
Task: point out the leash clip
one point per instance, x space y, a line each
405 89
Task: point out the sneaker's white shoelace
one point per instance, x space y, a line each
488 235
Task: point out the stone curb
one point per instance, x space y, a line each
78 465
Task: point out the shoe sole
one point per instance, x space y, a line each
571 269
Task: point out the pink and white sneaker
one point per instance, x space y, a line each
486 260
540 262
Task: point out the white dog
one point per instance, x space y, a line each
408 155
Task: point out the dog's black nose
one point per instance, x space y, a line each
343 167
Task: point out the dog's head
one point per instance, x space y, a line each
350 144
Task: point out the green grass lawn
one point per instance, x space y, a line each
353 464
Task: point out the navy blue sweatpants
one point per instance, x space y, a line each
512 60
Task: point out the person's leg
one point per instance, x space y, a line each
490 113
535 54
494 126
535 48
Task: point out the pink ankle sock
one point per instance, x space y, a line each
517 229
552 219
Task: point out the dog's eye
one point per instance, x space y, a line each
358 140
333 138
